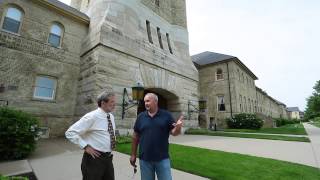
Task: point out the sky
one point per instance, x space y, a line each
276 39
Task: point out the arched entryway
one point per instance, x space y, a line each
166 100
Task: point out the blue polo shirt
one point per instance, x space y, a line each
154 135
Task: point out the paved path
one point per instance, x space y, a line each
297 152
314 136
57 159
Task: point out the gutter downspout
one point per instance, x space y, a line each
229 91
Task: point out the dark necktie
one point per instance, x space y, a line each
111 132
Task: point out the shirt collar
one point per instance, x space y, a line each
157 114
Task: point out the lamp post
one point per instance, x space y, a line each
137 96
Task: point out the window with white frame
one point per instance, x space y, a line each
45 88
55 35
221 104
12 20
219 74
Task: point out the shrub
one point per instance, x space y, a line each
124 139
316 119
18 133
282 122
244 121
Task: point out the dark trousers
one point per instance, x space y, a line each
100 168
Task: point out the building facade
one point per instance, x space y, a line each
229 88
55 59
294 113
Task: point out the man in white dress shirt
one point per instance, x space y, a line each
94 133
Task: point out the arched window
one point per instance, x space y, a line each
55 36
12 20
219 74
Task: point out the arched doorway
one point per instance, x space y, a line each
166 100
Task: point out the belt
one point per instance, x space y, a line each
105 154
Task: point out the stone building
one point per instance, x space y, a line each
55 59
229 88
293 113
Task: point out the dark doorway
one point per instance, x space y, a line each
162 102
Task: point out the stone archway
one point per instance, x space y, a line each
166 100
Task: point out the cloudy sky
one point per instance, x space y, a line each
276 39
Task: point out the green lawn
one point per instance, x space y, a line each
256 136
220 165
316 124
296 129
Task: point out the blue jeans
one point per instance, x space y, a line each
161 168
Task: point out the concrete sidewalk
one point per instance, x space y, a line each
314 136
296 152
58 159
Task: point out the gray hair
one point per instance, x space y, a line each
153 95
104 96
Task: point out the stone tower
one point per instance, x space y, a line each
133 41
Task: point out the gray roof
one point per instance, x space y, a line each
207 57
60 5
291 109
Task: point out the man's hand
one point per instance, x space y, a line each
177 126
179 122
133 159
90 150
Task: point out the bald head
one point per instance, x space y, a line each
151 102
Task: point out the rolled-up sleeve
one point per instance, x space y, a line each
79 128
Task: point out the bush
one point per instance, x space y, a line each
124 139
244 121
282 122
18 133
316 119
13 178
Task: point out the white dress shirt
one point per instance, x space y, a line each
92 129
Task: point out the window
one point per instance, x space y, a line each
169 44
240 99
149 32
244 104
157 2
219 75
12 20
221 105
239 74
45 88
55 35
159 37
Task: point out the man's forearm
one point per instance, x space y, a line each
176 131
134 145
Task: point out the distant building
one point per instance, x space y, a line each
229 88
293 113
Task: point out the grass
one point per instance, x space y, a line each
256 136
219 165
295 129
317 123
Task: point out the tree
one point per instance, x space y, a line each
313 103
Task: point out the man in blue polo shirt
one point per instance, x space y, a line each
151 132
